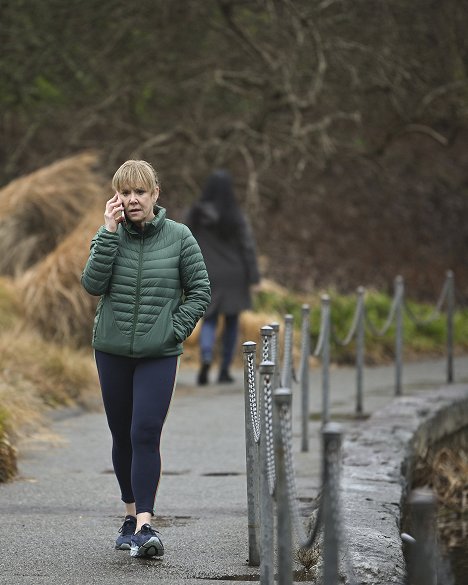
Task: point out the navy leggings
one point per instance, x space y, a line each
136 393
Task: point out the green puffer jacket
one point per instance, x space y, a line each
153 285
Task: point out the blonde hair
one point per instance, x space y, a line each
135 174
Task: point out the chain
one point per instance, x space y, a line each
305 541
286 437
381 332
353 329
253 398
270 451
323 326
266 348
436 311
305 346
287 365
274 348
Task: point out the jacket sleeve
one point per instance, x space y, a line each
195 284
98 270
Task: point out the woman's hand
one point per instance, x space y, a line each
113 214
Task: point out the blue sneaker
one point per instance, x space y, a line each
126 531
146 543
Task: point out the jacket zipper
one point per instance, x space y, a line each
137 295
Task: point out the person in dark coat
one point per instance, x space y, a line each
228 247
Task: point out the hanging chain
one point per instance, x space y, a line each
286 438
270 451
305 541
253 398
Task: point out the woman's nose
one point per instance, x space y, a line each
133 196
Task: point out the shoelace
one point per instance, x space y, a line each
127 527
149 530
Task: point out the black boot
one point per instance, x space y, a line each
225 377
202 379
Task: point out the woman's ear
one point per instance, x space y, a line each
155 194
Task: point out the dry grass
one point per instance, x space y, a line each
35 376
37 210
446 472
51 292
60 376
10 306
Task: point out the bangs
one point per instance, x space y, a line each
135 175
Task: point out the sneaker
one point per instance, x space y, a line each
146 543
126 531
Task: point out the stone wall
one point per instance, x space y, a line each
378 457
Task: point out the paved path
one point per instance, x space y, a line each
60 517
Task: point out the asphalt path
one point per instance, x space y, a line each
59 518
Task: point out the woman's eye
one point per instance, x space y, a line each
139 191
126 193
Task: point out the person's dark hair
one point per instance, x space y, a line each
218 193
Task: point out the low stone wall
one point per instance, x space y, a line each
378 458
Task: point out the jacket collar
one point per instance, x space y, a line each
152 227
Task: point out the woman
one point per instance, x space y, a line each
228 247
154 287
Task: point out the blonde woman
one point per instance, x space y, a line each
153 286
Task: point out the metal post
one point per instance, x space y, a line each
422 566
326 360
360 330
304 373
331 440
399 292
283 527
286 378
274 354
267 569
251 450
450 314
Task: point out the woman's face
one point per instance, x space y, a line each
138 204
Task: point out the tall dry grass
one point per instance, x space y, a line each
35 376
52 296
57 374
38 210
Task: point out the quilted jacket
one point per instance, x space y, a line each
153 286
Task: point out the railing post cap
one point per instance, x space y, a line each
288 317
275 326
399 279
332 429
422 497
249 346
283 396
450 273
267 367
360 290
305 308
266 330
325 299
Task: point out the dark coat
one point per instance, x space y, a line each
230 259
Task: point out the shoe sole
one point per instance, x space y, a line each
151 548
123 546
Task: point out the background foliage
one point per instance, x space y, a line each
344 123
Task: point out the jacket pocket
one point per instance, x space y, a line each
107 335
160 339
